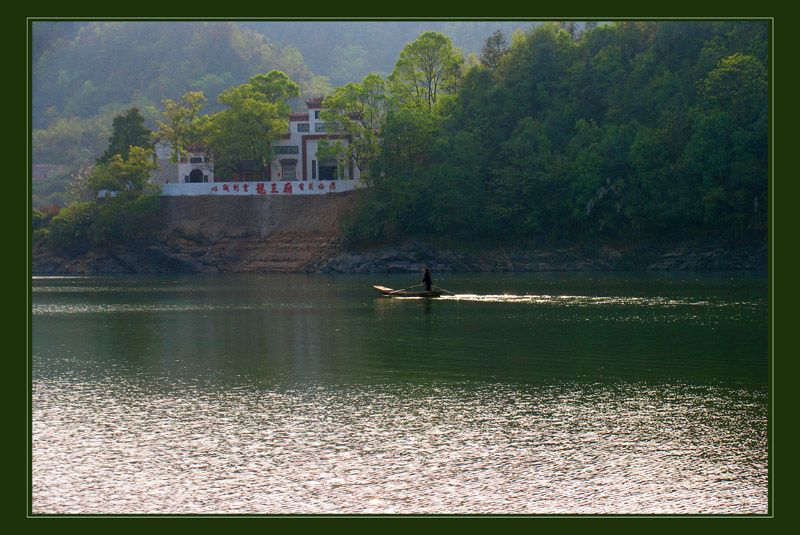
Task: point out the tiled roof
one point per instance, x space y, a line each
315 102
298 116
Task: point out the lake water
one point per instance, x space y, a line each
557 393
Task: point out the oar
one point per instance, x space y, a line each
404 289
445 291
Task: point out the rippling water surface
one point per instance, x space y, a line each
527 394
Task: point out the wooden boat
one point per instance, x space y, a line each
388 292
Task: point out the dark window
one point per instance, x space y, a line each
196 176
195 160
313 169
287 149
319 127
316 114
302 127
327 172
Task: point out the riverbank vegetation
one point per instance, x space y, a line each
113 201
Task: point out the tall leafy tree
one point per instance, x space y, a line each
493 49
356 111
128 131
738 86
256 116
274 88
180 118
427 68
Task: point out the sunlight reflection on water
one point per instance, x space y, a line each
114 448
531 394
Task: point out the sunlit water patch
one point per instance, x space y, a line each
306 449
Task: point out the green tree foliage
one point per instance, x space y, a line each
132 212
129 178
613 129
427 68
256 116
71 141
356 111
739 86
179 125
128 131
493 49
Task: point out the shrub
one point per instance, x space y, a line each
72 224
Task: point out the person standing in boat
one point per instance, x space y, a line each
427 280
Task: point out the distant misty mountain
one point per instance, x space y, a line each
347 51
81 67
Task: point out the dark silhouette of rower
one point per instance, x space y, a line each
427 280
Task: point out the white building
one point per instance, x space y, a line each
295 157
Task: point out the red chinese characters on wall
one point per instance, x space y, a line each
288 187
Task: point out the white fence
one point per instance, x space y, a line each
296 187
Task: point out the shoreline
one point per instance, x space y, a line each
303 235
298 253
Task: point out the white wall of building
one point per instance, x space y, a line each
310 187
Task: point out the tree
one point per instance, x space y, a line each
356 111
128 131
493 49
738 86
427 68
129 177
132 212
407 137
178 128
274 87
256 116
571 27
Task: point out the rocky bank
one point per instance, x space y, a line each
301 235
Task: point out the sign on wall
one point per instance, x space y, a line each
310 187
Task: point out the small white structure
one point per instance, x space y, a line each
295 161
196 167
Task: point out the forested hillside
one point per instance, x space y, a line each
628 129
